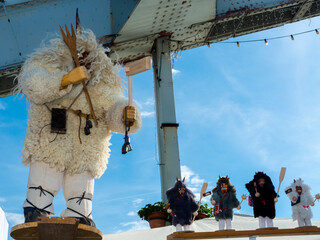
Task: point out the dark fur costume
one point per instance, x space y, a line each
229 202
182 205
263 205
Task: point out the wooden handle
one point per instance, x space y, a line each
243 198
130 91
203 190
281 177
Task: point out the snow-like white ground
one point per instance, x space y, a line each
4 226
240 222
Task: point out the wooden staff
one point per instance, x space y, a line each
71 42
244 197
281 177
255 187
203 190
317 197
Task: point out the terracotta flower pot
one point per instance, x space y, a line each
201 216
157 219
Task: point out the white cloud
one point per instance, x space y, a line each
15 218
144 103
149 102
175 71
137 201
2 107
135 225
132 213
193 181
2 199
145 114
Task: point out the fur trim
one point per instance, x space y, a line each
183 206
264 205
40 79
300 209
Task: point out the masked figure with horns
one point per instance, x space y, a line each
224 198
264 198
62 147
301 200
182 205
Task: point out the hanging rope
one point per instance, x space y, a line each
12 29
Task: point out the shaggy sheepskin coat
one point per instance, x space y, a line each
229 202
40 79
182 206
263 206
301 207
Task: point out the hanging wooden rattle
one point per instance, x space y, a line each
129 114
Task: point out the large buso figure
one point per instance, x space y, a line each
62 147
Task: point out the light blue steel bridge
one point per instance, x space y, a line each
133 29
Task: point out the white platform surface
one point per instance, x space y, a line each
210 224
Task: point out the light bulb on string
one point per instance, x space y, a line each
266 42
238 44
292 38
209 45
317 32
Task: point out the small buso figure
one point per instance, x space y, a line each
224 198
264 198
301 200
182 205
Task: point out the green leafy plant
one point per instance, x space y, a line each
150 208
205 209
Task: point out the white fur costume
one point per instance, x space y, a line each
301 210
65 160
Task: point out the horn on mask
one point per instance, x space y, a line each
78 24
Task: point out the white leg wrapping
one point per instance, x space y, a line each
178 228
307 222
187 227
262 222
49 179
300 222
269 222
221 224
74 187
228 223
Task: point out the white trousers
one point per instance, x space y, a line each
45 182
223 223
302 222
263 221
185 227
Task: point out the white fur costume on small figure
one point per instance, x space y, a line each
71 160
301 199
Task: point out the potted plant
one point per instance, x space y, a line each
155 214
204 212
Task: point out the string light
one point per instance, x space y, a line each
244 41
209 45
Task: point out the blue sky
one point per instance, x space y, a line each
240 110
